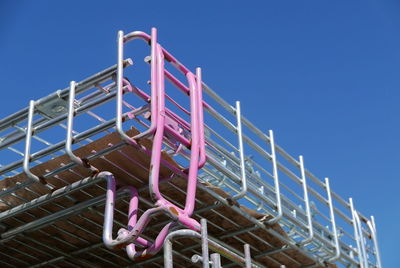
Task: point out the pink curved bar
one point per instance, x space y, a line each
199 84
150 251
109 211
131 237
195 150
147 38
158 137
196 129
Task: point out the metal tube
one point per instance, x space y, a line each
159 134
69 140
356 235
247 255
168 259
215 260
307 202
204 243
195 148
154 94
27 154
279 215
372 227
361 237
243 180
199 90
333 222
168 253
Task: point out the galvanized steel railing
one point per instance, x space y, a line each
237 157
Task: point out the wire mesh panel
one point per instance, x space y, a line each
85 161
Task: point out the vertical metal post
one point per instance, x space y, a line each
372 227
199 85
333 222
215 260
27 153
247 255
363 252
307 202
356 235
276 181
69 140
168 258
120 74
70 120
241 154
204 243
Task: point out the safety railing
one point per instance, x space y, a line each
231 153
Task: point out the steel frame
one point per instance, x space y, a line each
350 240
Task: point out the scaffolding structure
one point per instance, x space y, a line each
187 179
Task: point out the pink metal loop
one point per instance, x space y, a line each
164 124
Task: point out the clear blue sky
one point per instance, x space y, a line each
326 74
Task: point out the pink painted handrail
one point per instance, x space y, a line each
160 130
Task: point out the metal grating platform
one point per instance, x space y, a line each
260 206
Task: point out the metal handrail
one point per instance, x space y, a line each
308 232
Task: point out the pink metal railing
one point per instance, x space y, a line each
164 124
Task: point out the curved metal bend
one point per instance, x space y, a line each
27 153
162 204
109 242
154 95
124 239
307 202
333 222
196 129
168 256
69 140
